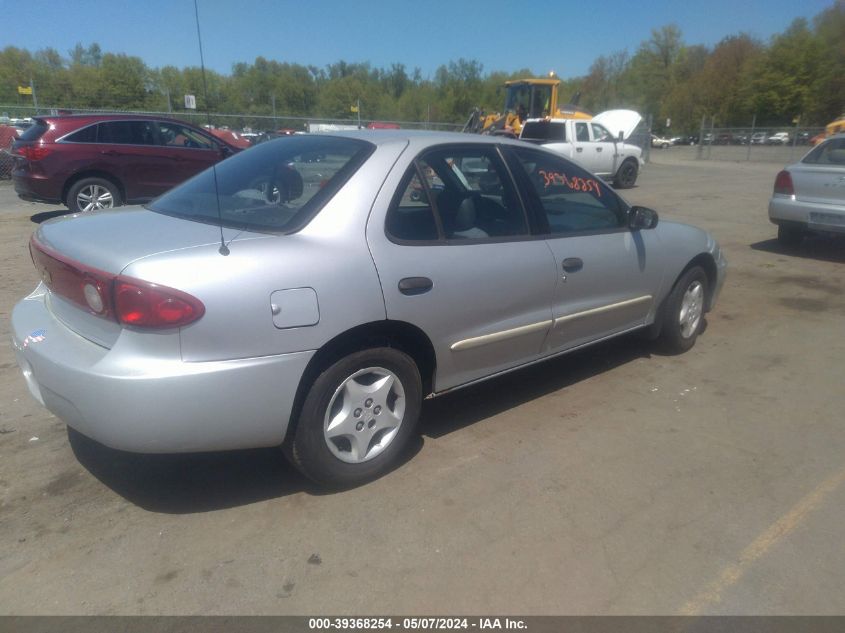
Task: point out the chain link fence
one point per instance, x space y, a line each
774 144
260 125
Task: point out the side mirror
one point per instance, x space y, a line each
642 218
225 150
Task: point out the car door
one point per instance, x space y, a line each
127 149
185 151
607 275
584 152
456 258
604 156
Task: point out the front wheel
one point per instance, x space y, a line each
684 311
626 176
357 418
92 194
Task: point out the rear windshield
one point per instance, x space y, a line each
829 153
34 131
543 131
274 187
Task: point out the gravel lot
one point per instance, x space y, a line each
611 481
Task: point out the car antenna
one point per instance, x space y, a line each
223 250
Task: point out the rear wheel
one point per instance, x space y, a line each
357 418
790 236
626 176
92 194
684 311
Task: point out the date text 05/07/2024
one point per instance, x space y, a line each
424 623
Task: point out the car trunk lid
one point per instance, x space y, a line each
80 257
819 184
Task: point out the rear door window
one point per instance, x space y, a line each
465 193
126 132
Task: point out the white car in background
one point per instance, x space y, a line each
598 145
809 196
660 142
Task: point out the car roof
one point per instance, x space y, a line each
422 138
90 117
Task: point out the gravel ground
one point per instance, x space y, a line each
610 481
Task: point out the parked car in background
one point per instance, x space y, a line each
314 306
660 142
7 136
809 196
101 161
778 138
759 138
235 139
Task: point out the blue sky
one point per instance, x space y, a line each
562 36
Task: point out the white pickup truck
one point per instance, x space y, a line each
598 145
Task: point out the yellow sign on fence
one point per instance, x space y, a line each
24 90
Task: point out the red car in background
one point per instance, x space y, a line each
90 161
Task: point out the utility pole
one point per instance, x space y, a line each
750 136
34 98
273 100
169 107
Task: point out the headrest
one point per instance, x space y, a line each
289 183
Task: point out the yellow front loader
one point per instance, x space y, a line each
525 99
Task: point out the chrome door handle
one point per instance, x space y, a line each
579 149
598 149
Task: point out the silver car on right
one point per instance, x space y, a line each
809 196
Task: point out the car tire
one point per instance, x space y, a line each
91 194
683 311
790 236
626 175
357 418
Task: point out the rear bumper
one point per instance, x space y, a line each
153 405
34 189
827 218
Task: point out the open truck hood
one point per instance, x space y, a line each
625 121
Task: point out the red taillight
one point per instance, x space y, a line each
142 304
783 184
33 152
123 299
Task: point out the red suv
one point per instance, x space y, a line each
89 161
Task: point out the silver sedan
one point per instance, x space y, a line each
309 293
809 196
